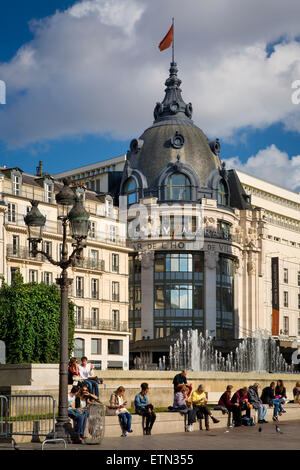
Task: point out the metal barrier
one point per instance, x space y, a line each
28 415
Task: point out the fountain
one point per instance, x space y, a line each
259 353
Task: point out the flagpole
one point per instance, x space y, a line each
173 40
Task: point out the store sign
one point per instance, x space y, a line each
275 296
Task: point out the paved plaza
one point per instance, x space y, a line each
259 437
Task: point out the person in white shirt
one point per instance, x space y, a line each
76 415
85 369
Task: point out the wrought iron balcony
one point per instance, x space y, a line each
22 253
108 325
91 263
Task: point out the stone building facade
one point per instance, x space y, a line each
100 281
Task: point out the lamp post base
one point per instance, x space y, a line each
65 430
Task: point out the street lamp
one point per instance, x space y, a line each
70 211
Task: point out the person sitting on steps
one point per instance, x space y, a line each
144 408
199 402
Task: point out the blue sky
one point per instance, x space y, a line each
102 58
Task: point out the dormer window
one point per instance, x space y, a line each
223 193
177 187
49 192
130 188
16 178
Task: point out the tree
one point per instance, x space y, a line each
29 321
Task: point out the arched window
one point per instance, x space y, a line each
223 193
130 188
177 187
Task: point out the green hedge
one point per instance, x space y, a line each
29 322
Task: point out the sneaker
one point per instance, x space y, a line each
283 411
130 430
190 428
207 428
125 434
275 419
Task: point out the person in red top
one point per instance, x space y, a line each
234 408
240 401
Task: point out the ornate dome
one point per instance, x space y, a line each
173 137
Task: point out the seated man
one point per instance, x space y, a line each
85 369
199 402
268 394
144 408
240 400
180 379
256 402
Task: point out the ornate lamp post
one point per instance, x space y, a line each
70 212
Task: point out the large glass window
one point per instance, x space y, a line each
130 188
178 292
177 187
224 294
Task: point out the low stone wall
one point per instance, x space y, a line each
43 379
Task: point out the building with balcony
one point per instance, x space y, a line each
100 280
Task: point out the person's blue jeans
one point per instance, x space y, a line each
92 385
277 406
262 412
79 419
126 421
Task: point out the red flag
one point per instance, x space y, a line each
167 40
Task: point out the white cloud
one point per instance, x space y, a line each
271 164
96 69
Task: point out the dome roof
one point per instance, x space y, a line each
173 136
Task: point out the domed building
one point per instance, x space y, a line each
177 282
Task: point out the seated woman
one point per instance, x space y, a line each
76 414
234 408
296 393
181 399
280 391
199 402
144 408
117 407
73 372
240 400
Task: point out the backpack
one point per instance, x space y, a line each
247 421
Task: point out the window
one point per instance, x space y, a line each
94 317
94 258
115 346
177 187
11 212
33 275
285 276
95 288
299 301
285 325
15 244
115 263
112 233
298 326
47 278
115 291
95 346
49 192
130 188
79 317
47 248
299 278
223 193
13 272
16 184
224 229
92 229
79 287
115 319
285 299
109 207
78 347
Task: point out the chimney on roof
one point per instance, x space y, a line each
39 169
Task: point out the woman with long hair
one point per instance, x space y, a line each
116 406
